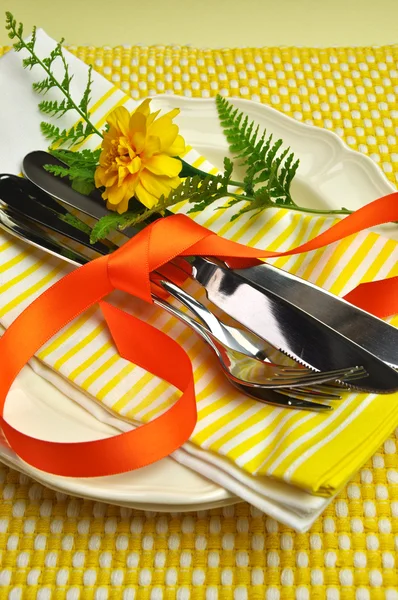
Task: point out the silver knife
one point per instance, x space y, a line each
304 338
366 330
369 332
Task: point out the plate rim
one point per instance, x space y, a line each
312 130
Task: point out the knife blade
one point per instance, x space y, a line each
371 333
312 343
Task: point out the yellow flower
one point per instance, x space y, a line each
137 157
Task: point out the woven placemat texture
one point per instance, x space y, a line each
53 546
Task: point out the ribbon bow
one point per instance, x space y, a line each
128 269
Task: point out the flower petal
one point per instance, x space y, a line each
119 118
116 193
144 107
165 130
157 185
172 114
145 197
134 165
99 177
138 140
152 147
137 130
152 116
161 164
177 148
122 174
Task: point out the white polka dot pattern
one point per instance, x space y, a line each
80 549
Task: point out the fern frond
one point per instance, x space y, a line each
84 102
71 136
204 192
57 170
82 158
44 85
54 108
109 223
262 156
79 167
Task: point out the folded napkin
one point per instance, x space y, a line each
288 463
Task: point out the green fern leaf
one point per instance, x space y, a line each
263 158
54 108
76 222
204 192
43 86
109 223
57 170
79 167
84 102
72 136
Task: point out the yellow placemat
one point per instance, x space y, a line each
58 547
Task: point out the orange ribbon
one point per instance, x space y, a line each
128 269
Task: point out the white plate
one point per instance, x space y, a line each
330 175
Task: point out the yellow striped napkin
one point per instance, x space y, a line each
315 452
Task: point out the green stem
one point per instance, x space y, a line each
146 214
239 184
315 211
59 86
188 171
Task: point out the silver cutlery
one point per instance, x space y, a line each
367 331
49 217
231 338
232 349
232 362
289 329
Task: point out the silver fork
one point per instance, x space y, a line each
244 352
28 232
238 368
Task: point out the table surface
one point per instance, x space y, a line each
215 24
63 547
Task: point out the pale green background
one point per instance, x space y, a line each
212 23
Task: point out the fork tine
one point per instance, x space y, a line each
270 396
342 386
327 388
316 377
292 370
326 392
308 392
